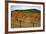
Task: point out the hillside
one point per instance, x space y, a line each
25 18
28 10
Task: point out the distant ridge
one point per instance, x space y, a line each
29 10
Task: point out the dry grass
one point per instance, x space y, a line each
22 19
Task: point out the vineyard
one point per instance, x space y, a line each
25 18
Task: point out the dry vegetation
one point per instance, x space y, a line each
24 18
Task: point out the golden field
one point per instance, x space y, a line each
25 18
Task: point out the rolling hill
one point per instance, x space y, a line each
25 18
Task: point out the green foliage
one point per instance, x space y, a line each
28 10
